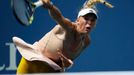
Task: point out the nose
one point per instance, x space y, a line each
88 24
91 23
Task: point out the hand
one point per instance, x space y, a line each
65 61
47 3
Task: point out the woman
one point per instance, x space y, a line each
58 48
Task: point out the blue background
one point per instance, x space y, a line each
112 45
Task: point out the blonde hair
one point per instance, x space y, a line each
89 4
92 4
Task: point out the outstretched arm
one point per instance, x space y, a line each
57 16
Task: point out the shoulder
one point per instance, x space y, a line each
57 29
58 32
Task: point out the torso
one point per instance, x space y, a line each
71 44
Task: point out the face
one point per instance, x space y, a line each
86 23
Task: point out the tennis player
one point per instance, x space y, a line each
56 50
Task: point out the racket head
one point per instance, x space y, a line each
23 11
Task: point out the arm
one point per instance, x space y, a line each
57 16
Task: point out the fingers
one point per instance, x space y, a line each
45 1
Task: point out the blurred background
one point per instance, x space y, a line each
112 41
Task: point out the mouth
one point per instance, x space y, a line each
88 29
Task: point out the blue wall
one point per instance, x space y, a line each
112 45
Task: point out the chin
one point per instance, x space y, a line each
85 32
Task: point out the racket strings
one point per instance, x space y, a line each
30 9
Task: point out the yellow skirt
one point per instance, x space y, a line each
26 67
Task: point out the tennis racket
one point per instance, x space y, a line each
24 10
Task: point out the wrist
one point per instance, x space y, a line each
50 5
47 4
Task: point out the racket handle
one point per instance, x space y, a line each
38 3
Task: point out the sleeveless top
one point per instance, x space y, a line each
46 48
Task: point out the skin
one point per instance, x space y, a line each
82 26
86 23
